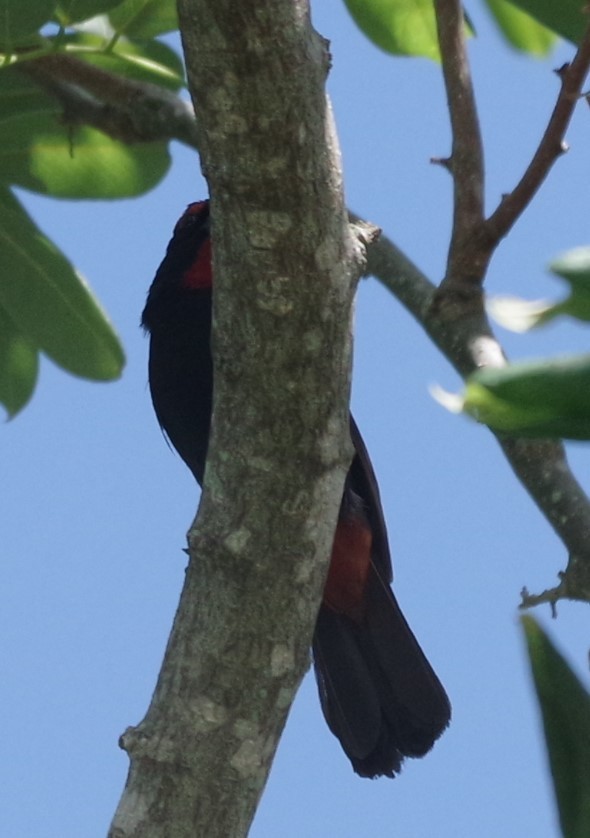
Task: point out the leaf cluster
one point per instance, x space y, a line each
408 27
47 148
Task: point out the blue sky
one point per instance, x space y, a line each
96 506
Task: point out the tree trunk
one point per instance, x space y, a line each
285 265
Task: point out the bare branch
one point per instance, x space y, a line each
541 465
551 146
127 110
466 163
453 314
549 597
573 584
474 239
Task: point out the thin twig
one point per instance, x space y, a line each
551 146
466 163
549 597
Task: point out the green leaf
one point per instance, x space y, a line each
18 95
565 710
49 303
39 153
520 29
19 366
574 267
547 398
400 27
144 19
21 18
75 11
564 17
520 315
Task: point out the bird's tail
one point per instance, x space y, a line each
379 694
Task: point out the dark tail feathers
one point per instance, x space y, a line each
379 694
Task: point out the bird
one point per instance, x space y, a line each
378 692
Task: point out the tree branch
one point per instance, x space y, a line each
127 110
453 314
466 163
285 266
541 466
474 239
551 146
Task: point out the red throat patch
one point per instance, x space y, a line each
199 275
